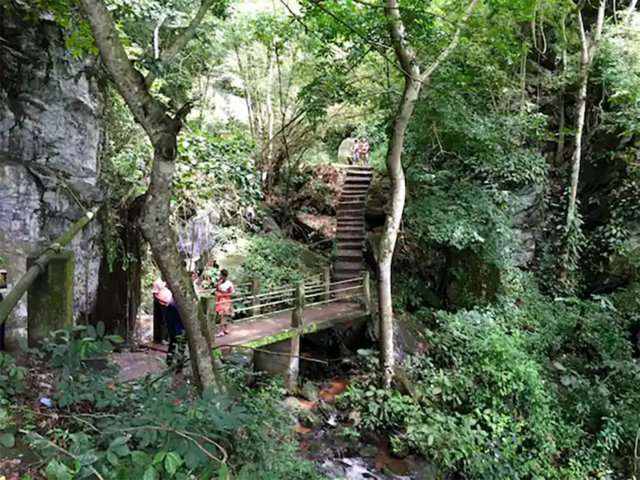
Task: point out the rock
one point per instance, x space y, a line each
323 225
293 403
51 135
526 210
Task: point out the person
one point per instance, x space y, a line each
224 305
2 346
176 336
173 322
159 312
364 150
355 152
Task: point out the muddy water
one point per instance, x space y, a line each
348 458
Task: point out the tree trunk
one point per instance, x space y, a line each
392 225
165 252
162 131
587 52
414 79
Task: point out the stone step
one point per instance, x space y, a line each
350 197
359 172
347 267
353 237
349 244
351 203
351 224
360 188
357 181
349 255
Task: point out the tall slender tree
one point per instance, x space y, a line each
414 78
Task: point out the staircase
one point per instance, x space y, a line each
351 232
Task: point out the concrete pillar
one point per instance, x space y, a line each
50 298
273 364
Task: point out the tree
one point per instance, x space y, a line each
588 49
162 128
414 78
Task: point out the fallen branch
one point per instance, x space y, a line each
39 266
187 436
65 452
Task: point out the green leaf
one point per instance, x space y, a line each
159 457
140 458
150 474
223 472
119 446
58 471
172 462
7 440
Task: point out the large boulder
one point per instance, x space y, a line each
51 134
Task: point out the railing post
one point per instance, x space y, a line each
366 284
327 283
297 324
255 291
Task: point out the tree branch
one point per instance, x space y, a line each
454 42
147 110
181 41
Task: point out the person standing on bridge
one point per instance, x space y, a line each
224 305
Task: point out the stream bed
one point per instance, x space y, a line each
342 457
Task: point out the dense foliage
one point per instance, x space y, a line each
148 429
526 387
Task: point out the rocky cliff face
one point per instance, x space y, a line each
51 130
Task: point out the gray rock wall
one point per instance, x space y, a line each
51 131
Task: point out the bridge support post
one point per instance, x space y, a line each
297 325
255 291
366 284
327 283
50 297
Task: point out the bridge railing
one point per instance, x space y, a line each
314 292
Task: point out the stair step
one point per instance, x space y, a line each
359 181
348 266
351 236
344 253
360 172
351 224
352 196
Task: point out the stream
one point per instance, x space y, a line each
348 458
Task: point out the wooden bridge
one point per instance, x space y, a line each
282 313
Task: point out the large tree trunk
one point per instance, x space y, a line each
162 131
165 252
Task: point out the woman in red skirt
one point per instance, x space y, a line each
224 305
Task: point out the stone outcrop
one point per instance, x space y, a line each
51 132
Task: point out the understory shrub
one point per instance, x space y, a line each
531 387
275 261
152 428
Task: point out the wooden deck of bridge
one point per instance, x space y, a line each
277 327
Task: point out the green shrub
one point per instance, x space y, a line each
275 261
530 387
11 377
